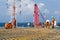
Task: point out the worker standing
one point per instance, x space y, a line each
53 21
47 23
14 23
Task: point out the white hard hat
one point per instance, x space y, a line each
47 20
10 21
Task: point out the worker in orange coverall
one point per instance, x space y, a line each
14 23
47 24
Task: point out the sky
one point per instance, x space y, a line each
48 8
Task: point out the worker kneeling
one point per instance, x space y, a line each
8 25
47 24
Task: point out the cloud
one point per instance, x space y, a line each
41 5
46 11
43 8
25 5
30 6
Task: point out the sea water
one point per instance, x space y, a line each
25 25
18 24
